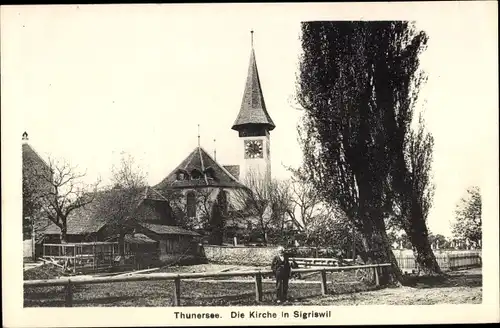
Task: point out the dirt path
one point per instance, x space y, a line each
459 287
402 296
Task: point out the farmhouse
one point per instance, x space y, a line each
150 230
36 179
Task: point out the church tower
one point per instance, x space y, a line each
254 124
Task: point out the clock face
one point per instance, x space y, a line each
253 148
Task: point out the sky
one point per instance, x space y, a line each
89 82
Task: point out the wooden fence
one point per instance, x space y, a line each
69 283
446 261
97 257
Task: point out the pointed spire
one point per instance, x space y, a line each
215 150
25 136
198 135
253 108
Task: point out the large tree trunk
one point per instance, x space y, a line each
64 236
378 250
419 238
416 227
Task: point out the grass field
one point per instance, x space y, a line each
458 287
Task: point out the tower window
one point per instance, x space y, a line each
253 131
191 204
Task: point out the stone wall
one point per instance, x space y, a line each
260 256
27 248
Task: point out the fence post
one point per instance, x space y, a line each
324 288
177 291
69 294
377 281
258 287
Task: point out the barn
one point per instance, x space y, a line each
152 235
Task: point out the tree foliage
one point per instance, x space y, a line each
358 85
468 217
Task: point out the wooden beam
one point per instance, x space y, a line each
324 288
69 294
258 287
177 291
170 276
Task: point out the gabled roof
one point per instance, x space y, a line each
253 108
30 154
212 173
32 160
83 220
234 170
88 219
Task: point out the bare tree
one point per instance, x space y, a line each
203 202
306 202
263 204
65 192
119 203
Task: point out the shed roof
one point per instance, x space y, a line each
138 238
88 219
168 229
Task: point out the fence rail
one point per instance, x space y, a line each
446 261
69 283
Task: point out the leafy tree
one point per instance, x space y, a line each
358 84
468 217
439 241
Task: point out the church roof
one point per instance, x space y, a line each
210 173
234 170
31 157
253 108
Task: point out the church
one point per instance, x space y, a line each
200 179
199 182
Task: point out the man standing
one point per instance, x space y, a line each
282 271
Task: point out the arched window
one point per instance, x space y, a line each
191 204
